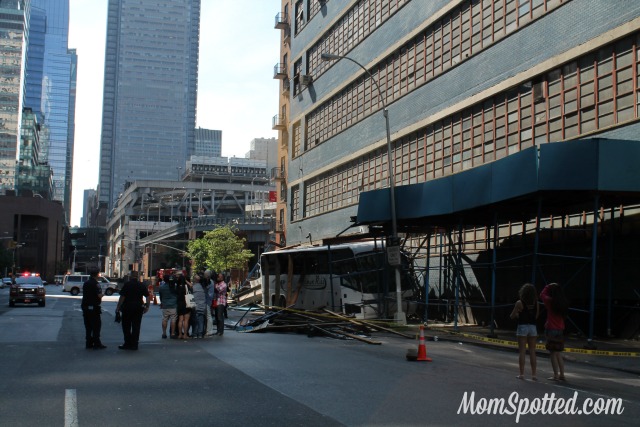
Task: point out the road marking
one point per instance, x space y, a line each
70 408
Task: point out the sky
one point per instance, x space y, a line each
236 91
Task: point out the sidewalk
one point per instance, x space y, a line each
622 355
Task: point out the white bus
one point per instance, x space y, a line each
350 278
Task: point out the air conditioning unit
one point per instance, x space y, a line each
306 79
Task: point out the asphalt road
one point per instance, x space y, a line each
47 378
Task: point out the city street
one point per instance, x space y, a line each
272 379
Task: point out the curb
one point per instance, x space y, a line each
502 345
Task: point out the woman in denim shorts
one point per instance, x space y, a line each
526 310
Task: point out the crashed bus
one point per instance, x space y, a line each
350 278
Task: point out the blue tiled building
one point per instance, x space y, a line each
467 83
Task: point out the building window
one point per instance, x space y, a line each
297 71
296 140
463 32
295 203
350 30
299 17
593 92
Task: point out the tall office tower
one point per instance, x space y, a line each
33 176
208 142
12 34
86 207
150 91
50 90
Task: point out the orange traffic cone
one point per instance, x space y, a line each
422 348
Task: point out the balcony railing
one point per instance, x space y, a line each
280 71
279 122
279 227
282 21
277 173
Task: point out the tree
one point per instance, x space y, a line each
219 249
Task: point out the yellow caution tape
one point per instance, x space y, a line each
539 346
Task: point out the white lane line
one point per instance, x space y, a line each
70 408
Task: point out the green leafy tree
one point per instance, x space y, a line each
220 249
198 252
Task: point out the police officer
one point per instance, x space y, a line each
91 311
132 307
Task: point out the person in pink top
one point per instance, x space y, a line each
557 307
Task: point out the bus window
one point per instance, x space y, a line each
342 262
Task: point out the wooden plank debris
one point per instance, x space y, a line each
324 323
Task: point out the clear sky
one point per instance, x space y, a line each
236 91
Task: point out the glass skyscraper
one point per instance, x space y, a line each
208 142
50 90
11 46
150 90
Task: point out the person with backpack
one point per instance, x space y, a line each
169 305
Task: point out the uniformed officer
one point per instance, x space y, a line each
132 307
91 311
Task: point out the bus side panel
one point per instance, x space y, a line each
312 292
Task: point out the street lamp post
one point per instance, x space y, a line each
393 246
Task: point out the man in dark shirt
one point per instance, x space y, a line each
132 307
91 311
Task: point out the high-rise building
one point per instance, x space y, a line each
208 142
33 176
50 74
264 149
12 36
150 91
89 195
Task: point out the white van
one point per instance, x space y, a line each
72 283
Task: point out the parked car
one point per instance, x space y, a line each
6 281
27 290
72 283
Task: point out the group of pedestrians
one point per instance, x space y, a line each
527 311
185 321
